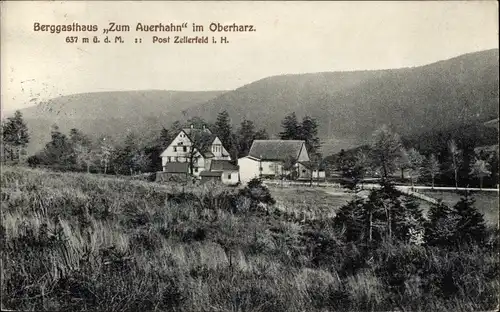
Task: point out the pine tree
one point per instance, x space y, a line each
59 151
441 225
350 222
261 135
291 127
470 227
410 227
246 135
308 131
15 136
223 130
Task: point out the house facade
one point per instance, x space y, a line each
221 171
196 146
307 171
273 159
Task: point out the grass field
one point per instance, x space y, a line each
75 242
298 200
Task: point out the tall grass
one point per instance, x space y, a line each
85 242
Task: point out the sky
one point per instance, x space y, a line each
290 38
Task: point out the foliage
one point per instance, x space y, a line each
386 149
291 127
456 159
432 168
384 216
15 136
354 169
223 130
470 226
307 131
457 226
415 162
258 193
480 170
246 134
73 241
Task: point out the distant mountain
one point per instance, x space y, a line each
348 105
110 113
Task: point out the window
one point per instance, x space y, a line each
196 169
229 176
303 171
169 159
175 148
184 149
180 143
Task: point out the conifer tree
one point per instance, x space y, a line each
291 127
308 131
440 228
15 136
470 227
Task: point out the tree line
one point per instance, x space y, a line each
77 151
386 155
456 164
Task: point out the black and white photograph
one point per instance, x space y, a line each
249 156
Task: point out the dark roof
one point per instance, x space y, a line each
208 154
204 143
177 167
211 173
221 165
276 149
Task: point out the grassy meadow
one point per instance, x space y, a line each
85 242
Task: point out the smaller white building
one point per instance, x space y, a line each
273 159
221 171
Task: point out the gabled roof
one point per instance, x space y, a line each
177 167
222 165
202 147
195 134
211 173
276 149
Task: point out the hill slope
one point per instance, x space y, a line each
110 113
348 105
